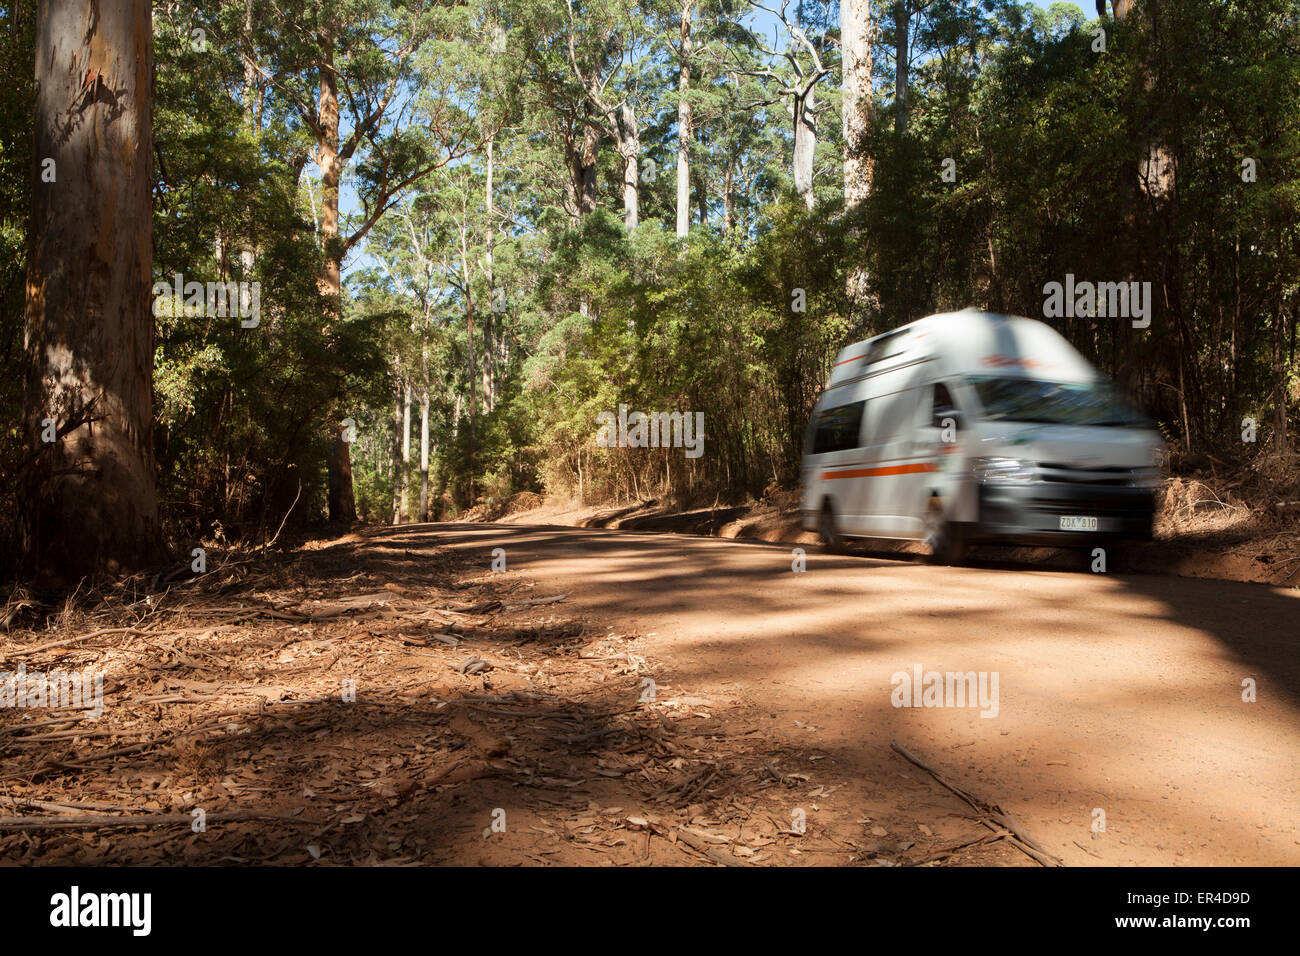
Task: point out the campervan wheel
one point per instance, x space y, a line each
831 538
943 539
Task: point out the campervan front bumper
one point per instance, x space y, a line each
1050 514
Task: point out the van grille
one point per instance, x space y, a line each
1075 475
1107 507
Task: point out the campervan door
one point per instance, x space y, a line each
896 456
865 460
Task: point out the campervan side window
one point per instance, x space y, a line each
837 429
944 406
887 346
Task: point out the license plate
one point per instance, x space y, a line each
1078 523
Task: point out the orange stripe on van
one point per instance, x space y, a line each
912 469
853 359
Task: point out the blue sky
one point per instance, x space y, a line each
348 198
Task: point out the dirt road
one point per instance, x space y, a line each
1119 698
615 698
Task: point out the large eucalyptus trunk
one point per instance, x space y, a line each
855 37
253 120
492 330
342 503
805 143
89 501
629 148
685 127
341 500
583 153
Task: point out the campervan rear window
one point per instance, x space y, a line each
839 428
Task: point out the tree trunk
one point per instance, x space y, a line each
1279 381
492 322
701 196
327 157
399 472
469 342
406 447
90 501
855 33
727 174
805 144
342 504
629 147
685 127
424 455
582 168
902 23
252 118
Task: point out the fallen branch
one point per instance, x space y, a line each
988 811
546 600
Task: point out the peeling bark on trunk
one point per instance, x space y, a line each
583 164
89 498
629 148
581 155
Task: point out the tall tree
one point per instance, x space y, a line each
796 85
855 39
685 129
902 53
91 499
402 124
856 110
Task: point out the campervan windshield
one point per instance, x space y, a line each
1053 403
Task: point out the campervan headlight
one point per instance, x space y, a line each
1002 469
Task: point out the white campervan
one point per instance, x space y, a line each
971 427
